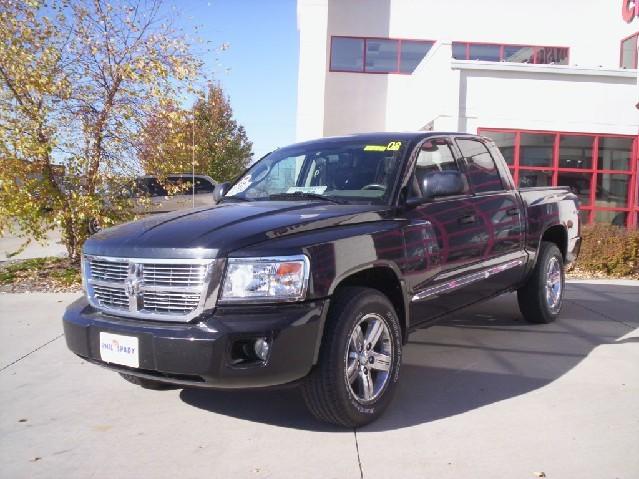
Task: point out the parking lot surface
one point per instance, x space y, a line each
482 394
51 246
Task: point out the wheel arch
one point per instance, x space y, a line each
385 278
557 234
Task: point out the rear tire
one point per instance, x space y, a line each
146 383
541 298
359 360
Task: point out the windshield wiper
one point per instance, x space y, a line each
232 198
300 195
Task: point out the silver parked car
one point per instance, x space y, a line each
176 192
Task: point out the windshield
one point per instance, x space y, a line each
338 171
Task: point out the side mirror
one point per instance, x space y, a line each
438 183
220 190
442 183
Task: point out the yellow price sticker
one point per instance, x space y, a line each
392 146
374 148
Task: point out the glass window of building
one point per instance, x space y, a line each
606 184
381 55
411 54
494 52
484 52
612 190
536 149
551 55
529 179
617 218
579 184
377 55
459 51
519 54
347 54
628 55
614 153
575 151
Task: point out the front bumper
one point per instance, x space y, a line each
200 353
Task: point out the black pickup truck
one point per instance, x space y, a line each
317 263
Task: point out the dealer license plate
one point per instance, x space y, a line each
118 349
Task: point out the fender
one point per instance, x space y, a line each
388 265
533 258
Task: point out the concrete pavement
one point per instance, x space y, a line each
482 394
52 246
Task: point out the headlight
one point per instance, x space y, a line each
266 279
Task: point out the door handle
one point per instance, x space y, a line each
468 219
513 212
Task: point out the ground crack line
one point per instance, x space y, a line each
603 315
359 460
31 352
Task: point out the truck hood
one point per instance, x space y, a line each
216 231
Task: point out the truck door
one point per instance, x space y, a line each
442 238
497 211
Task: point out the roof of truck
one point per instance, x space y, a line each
383 136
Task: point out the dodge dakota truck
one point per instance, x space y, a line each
315 265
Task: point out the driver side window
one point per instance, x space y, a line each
435 155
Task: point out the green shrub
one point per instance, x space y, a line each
609 250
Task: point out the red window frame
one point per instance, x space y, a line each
502 47
364 46
636 54
632 203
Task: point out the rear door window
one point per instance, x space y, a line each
481 169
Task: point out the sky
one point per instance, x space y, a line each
259 69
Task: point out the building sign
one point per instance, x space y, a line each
629 10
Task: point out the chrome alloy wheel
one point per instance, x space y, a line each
369 354
554 284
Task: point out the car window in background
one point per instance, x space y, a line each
203 186
482 172
150 187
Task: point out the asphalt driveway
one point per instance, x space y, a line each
482 394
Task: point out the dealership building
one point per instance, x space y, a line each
554 83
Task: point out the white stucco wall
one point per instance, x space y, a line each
312 21
576 101
591 28
589 95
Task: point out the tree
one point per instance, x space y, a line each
206 137
78 80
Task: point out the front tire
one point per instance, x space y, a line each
541 298
359 360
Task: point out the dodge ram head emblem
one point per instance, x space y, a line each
133 285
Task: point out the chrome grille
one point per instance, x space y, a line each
111 297
170 302
174 274
113 271
166 290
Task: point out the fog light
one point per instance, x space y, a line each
261 348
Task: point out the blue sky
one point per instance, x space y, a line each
262 61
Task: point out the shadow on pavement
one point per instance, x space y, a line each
481 355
